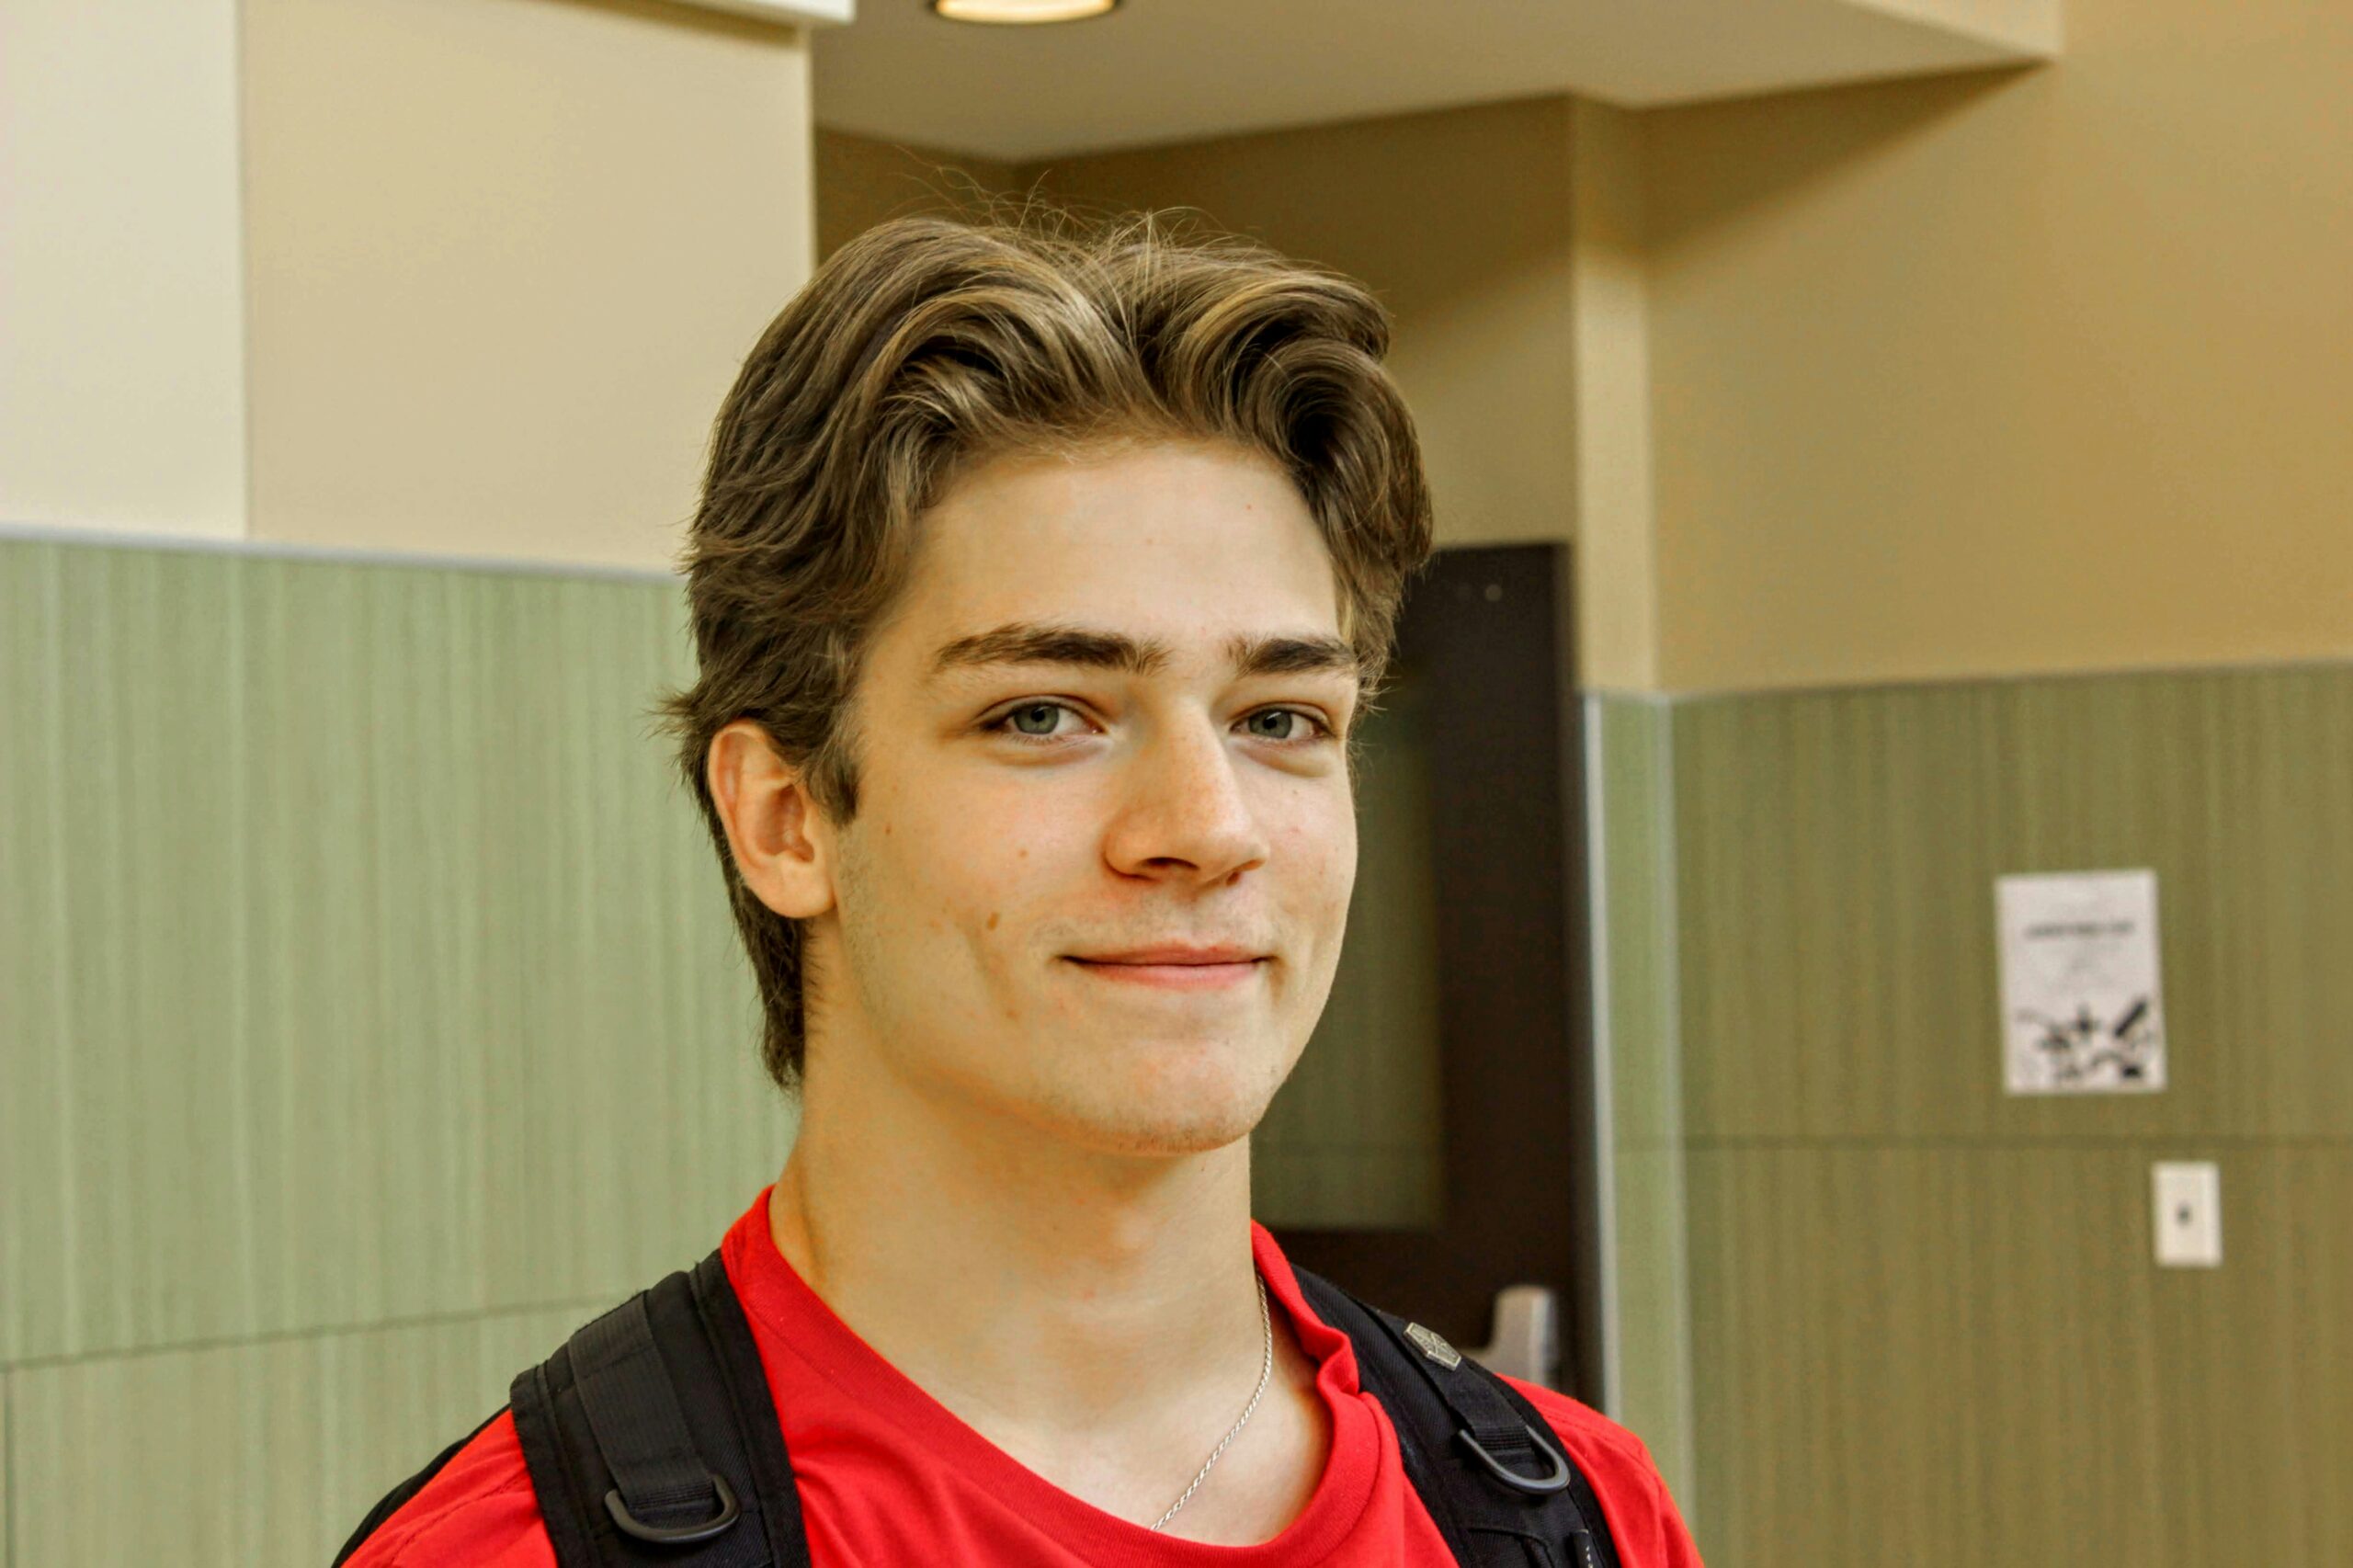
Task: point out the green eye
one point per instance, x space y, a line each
1019 723
1290 714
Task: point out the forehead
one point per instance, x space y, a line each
1189 545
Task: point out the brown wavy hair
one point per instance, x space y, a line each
927 344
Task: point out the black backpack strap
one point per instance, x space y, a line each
651 1438
1487 1465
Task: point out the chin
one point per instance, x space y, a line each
1164 1113
1170 1136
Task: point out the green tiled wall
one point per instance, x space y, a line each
268 1450
1630 797
1963 1353
1926 1323
1873 822
364 975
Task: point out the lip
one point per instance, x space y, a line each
1192 974
1175 953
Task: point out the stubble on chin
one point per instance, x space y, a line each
1187 1108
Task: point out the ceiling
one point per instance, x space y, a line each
1158 71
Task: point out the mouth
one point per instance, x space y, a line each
1198 969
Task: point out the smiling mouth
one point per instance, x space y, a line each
1174 976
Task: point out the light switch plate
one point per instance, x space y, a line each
2189 1214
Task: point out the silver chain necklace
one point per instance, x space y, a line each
1265 1368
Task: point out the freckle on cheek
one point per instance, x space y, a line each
993 913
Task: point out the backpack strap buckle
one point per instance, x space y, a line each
1476 1485
728 1513
1538 1484
650 1436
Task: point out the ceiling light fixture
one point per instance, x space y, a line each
1020 13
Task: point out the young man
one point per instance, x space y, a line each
1038 584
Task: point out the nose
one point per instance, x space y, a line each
1186 813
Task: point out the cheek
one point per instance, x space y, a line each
988 861
1023 836
1322 844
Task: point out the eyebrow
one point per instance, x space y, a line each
1034 642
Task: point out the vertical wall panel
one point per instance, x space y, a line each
1630 789
8 1534
1953 1355
1927 1323
1838 851
374 965
262 1455
31 981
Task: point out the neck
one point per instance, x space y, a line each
1040 1290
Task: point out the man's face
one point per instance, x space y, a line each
1025 808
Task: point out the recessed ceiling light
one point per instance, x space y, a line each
1020 12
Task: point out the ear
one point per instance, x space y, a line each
783 847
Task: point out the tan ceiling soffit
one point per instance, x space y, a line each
1158 71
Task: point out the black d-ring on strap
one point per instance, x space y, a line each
1499 1482
652 1440
1539 1484
728 1513
1488 1424
662 1492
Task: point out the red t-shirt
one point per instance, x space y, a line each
887 1475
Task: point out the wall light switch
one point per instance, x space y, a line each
2189 1214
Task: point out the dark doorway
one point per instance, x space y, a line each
1497 1184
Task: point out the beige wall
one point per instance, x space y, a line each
1508 240
122 399
860 182
454 276
2047 371
2023 371
1456 218
505 256
1617 527
1459 220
